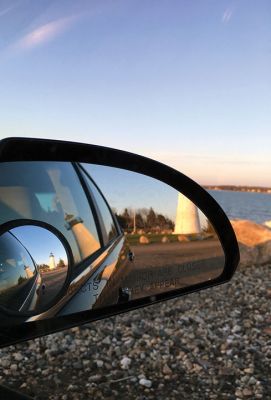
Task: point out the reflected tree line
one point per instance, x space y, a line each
145 219
46 267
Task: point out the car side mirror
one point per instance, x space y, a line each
128 232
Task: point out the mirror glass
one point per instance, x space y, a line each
130 236
172 244
33 268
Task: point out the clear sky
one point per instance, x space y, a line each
125 189
184 82
40 243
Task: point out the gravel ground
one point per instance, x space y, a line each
215 344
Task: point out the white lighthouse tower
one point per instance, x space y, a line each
52 263
187 217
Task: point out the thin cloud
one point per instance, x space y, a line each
43 34
227 14
6 10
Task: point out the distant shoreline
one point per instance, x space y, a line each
251 189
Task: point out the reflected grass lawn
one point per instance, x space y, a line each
133 239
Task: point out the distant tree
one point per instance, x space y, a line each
144 213
151 219
43 267
122 221
61 263
161 221
21 279
128 218
169 224
139 221
144 219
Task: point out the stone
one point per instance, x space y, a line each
106 340
248 255
249 371
77 365
145 382
267 330
144 240
247 392
23 385
99 363
252 381
254 242
166 370
239 393
236 329
183 238
264 252
125 362
249 233
268 224
18 357
95 378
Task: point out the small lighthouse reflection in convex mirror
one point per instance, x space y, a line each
52 263
187 217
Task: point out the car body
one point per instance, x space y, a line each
20 280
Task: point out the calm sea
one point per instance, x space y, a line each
244 205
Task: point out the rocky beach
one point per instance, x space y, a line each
214 344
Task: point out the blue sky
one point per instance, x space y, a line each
184 82
125 189
40 243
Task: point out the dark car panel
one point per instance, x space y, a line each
102 288
109 225
19 278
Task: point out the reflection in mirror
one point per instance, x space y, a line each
130 236
175 254
33 268
172 244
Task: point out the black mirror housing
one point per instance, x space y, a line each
14 150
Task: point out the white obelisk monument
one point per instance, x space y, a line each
187 217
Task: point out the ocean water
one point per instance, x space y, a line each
244 205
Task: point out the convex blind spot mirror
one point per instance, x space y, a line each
34 268
123 231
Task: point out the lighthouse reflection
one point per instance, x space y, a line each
33 268
168 259
173 243
187 217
